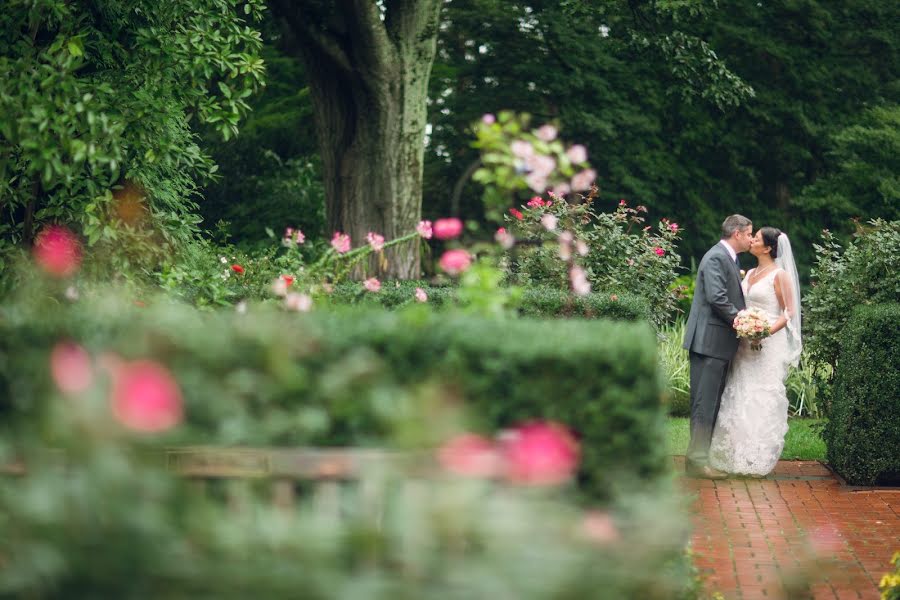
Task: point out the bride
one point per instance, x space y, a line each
752 421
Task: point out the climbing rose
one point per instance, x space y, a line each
469 455
516 213
70 366
57 251
659 251
145 397
536 202
539 453
340 242
455 261
673 227
447 229
425 229
372 284
375 241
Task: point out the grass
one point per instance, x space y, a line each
802 442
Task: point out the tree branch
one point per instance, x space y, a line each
371 46
325 41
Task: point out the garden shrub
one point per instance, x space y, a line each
344 377
863 431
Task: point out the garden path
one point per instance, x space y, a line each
755 538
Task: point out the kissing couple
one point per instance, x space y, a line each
739 405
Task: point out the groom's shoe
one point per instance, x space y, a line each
703 471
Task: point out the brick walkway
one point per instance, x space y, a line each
764 538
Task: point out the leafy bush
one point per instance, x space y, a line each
863 431
343 377
867 271
676 365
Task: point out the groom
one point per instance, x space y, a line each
711 339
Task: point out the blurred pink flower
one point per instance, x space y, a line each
561 189
659 251
549 221
375 241
57 251
541 165
622 202
516 213
469 455
580 285
455 261
372 284
673 227
613 297
546 133
582 180
70 366
539 453
488 119
641 208
421 296
521 149
599 527
425 229
581 248
577 154
447 229
340 242
280 287
145 397
298 302
535 202
536 181
504 238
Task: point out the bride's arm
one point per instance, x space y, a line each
785 300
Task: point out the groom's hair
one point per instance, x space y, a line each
734 223
770 239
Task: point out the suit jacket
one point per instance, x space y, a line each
717 299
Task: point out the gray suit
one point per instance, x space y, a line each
712 343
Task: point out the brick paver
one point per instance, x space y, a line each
766 538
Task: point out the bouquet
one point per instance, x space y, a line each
752 324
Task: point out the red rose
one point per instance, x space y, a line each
237 268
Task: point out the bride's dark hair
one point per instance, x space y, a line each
770 239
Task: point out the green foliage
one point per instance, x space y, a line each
676 365
98 96
866 271
890 583
863 431
344 377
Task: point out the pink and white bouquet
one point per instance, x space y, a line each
752 324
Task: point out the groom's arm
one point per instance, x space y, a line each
716 290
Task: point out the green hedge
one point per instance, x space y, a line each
349 376
863 432
535 302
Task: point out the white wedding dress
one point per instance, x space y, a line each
752 422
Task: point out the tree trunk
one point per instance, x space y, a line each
369 83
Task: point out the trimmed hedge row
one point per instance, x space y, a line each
350 376
863 431
535 302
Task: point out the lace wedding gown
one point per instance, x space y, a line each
752 422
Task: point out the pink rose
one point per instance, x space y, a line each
70 366
455 261
145 397
549 221
375 241
673 227
546 133
57 251
488 119
340 242
521 149
580 285
424 229
535 202
298 302
421 296
372 284
516 213
583 180
299 238
659 251
447 229
577 154
469 455
504 238
539 454
599 527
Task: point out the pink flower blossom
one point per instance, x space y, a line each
455 261
288 232
599 527
539 454
516 213
581 248
659 251
469 455
280 287
577 154
424 229
488 119
288 280
673 227
580 285
535 202
521 149
546 133
57 251
541 165
561 189
70 366
622 202
145 397
421 296
299 238
549 221
583 180
372 284
504 238
298 302
375 241
447 229
536 181
614 298
340 242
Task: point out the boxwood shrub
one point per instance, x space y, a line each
863 432
347 376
